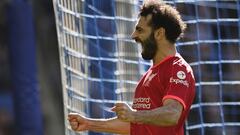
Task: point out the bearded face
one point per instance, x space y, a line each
149 47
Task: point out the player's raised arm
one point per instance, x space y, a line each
113 125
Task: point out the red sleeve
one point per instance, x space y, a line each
178 84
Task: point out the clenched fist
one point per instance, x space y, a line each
124 112
77 122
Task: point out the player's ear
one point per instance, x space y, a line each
159 33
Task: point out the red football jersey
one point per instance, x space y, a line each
171 78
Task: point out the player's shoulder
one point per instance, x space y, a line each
173 62
179 62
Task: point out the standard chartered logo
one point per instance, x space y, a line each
141 103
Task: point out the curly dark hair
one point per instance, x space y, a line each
164 16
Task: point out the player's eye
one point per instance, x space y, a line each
139 29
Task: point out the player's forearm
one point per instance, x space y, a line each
162 116
113 125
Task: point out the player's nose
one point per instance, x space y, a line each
134 35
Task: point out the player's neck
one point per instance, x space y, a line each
165 50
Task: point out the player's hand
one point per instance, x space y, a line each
124 112
77 122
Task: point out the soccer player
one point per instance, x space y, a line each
165 93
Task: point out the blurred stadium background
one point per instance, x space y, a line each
101 64
38 18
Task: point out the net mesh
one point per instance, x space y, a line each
100 63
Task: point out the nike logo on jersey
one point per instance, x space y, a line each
149 79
